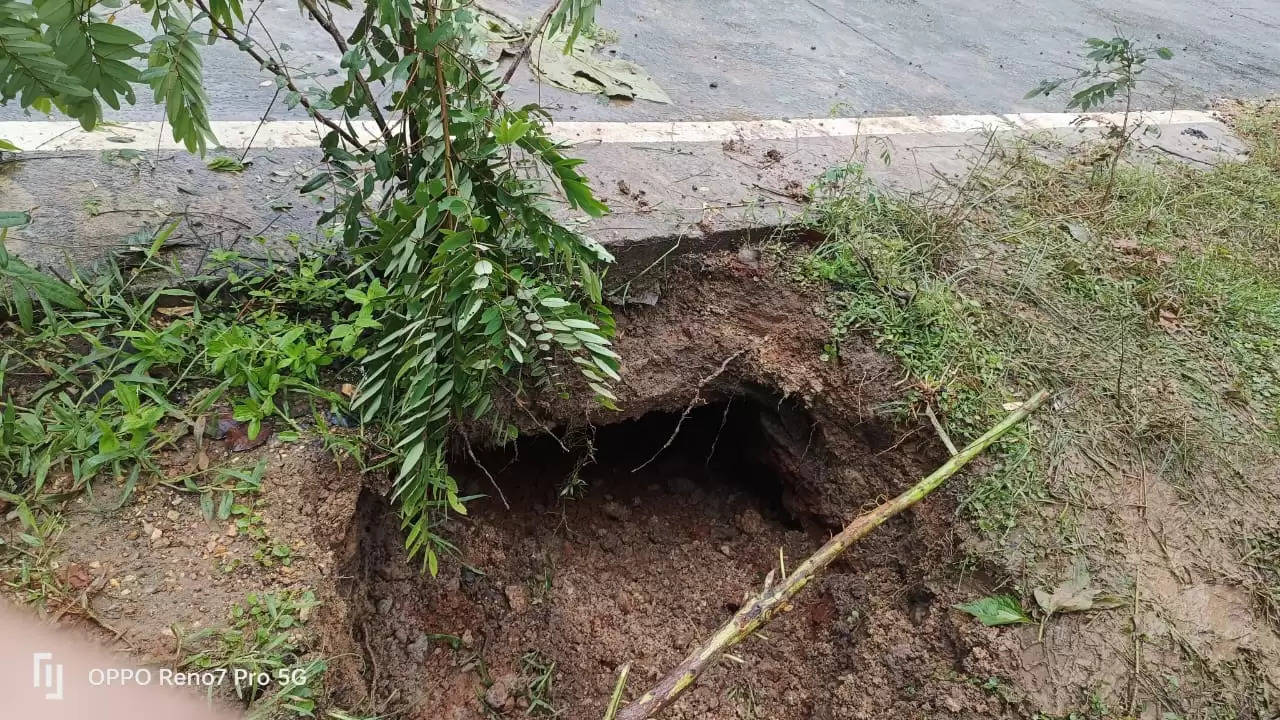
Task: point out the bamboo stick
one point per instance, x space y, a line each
761 609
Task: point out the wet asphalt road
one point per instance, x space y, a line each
755 59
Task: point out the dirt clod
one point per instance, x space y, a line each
517 598
501 694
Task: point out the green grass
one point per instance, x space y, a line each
538 674
1154 319
96 391
261 652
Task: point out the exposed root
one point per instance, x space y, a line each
693 402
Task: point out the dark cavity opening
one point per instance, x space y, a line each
746 443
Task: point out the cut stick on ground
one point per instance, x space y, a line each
756 613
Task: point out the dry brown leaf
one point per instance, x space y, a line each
236 434
1071 595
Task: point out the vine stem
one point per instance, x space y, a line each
756 613
443 97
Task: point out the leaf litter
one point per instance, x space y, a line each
584 70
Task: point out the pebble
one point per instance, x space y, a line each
517 598
500 694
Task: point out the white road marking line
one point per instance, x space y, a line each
48 136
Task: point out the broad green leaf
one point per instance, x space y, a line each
225 164
995 610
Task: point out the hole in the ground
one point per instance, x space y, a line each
741 444
640 566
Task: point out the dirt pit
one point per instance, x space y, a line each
635 552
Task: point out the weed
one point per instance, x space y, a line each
28 559
262 647
1261 553
538 674
1117 66
743 694
96 390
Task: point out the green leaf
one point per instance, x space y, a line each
41 285
22 303
411 458
225 164
114 34
456 504
224 506
995 610
316 182
12 218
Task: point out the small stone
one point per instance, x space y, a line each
726 551
468 640
616 511
517 598
501 693
232 531
155 534
173 515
